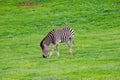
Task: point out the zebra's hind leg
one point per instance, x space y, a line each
70 49
69 43
51 50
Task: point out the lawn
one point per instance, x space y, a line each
96 47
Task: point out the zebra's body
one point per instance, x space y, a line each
55 37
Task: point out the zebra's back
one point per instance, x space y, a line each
62 35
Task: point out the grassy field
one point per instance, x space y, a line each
96 48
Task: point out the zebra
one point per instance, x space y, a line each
55 37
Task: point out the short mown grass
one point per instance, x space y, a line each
96 47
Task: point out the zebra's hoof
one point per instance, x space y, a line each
70 52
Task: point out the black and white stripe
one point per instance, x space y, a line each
55 37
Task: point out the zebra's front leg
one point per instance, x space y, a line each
57 48
51 50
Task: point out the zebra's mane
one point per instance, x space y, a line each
41 44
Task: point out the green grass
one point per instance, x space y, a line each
96 48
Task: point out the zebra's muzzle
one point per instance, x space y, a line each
44 56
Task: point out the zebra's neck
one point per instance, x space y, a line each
46 41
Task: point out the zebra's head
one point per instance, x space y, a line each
44 48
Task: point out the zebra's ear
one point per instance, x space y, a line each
53 29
